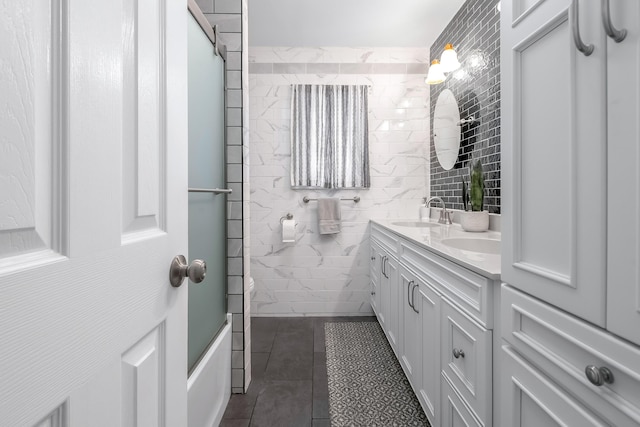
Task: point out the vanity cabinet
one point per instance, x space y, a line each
444 341
571 205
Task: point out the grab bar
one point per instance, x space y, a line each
211 190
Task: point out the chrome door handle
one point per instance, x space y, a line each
615 34
211 190
413 300
179 269
574 17
598 376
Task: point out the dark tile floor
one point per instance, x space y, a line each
289 374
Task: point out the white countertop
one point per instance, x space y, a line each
430 238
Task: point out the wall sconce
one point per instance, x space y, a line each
448 63
435 74
449 59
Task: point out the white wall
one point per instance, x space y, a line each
320 275
408 23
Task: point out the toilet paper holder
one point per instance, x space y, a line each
287 216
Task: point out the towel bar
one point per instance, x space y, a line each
354 199
211 190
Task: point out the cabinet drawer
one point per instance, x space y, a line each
531 399
562 346
470 291
466 359
385 238
454 412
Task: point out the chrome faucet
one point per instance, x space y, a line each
445 215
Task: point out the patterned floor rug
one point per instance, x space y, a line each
366 384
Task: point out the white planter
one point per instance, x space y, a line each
474 221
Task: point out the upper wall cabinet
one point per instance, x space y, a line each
554 153
571 157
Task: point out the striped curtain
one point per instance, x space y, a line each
329 137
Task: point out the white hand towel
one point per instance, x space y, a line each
329 215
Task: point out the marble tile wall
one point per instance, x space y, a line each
329 274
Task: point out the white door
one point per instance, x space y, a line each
93 196
554 153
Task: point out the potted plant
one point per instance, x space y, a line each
475 218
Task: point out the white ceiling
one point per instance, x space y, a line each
352 23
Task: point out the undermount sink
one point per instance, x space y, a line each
415 224
485 246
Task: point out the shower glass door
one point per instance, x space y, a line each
207 210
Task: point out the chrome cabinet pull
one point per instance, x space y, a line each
383 261
574 17
413 300
615 34
409 294
458 353
598 376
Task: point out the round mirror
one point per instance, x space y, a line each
446 129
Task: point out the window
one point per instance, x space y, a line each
329 137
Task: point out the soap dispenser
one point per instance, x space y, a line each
425 211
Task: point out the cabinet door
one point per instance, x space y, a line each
375 275
428 303
383 288
623 274
410 327
454 411
532 400
466 359
390 282
554 154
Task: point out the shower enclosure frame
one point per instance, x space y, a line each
209 378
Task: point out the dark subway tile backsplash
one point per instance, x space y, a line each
474 31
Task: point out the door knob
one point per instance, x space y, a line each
196 271
458 353
598 376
